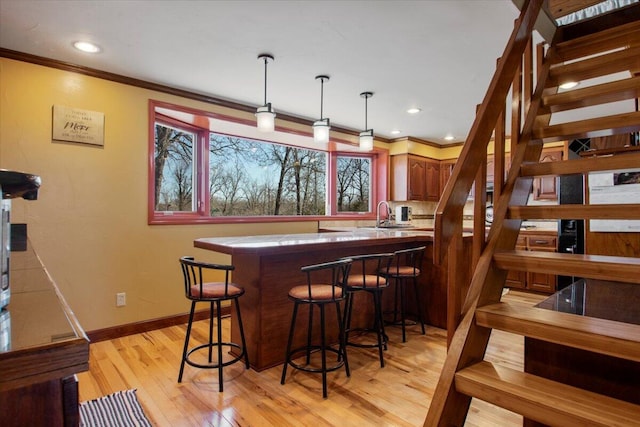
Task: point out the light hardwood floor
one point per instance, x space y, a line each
396 395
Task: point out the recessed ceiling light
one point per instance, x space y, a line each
568 85
396 132
87 47
449 138
413 110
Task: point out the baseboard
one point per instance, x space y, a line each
148 325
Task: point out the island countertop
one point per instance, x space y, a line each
285 243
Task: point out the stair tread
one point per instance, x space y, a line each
583 165
603 336
618 90
604 267
543 400
609 63
612 38
609 211
589 128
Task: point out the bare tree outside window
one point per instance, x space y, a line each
353 184
252 178
173 159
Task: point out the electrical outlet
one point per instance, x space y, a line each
121 299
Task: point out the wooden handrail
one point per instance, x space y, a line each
448 215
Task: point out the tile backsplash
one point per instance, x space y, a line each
423 216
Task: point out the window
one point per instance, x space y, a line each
227 174
173 167
353 178
254 178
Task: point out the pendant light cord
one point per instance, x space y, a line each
366 98
321 96
265 80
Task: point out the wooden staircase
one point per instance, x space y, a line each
598 49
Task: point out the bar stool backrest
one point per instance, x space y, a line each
374 267
339 272
408 261
193 278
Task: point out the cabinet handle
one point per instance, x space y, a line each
541 242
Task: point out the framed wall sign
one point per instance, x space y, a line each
75 125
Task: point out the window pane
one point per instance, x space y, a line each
254 178
353 191
174 163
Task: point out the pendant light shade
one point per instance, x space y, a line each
366 140
366 136
321 127
265 115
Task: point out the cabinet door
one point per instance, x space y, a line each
518 279
446 168
417 179
542 282
432 181
490 168
546 187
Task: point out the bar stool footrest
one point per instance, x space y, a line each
212 365
362 332
302 350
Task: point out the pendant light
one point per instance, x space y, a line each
366 136
265 115
321 127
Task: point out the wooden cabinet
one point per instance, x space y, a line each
414 178
609 142
47 348
432 181
518 279
446 168
539 282
416 181
490 168
546 187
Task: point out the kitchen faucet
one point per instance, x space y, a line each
378 222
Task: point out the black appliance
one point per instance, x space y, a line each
13 184
570 231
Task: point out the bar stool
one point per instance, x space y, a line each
319 293
197 290
374 284
405 270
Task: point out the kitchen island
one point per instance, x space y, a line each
268 266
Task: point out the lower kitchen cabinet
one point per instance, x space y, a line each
538 282
518 279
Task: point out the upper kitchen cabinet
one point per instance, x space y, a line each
446 169
414 178
546 187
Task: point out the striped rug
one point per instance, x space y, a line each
120 409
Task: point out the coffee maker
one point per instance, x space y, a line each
403 215
13 184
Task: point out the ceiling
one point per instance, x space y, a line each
437 55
